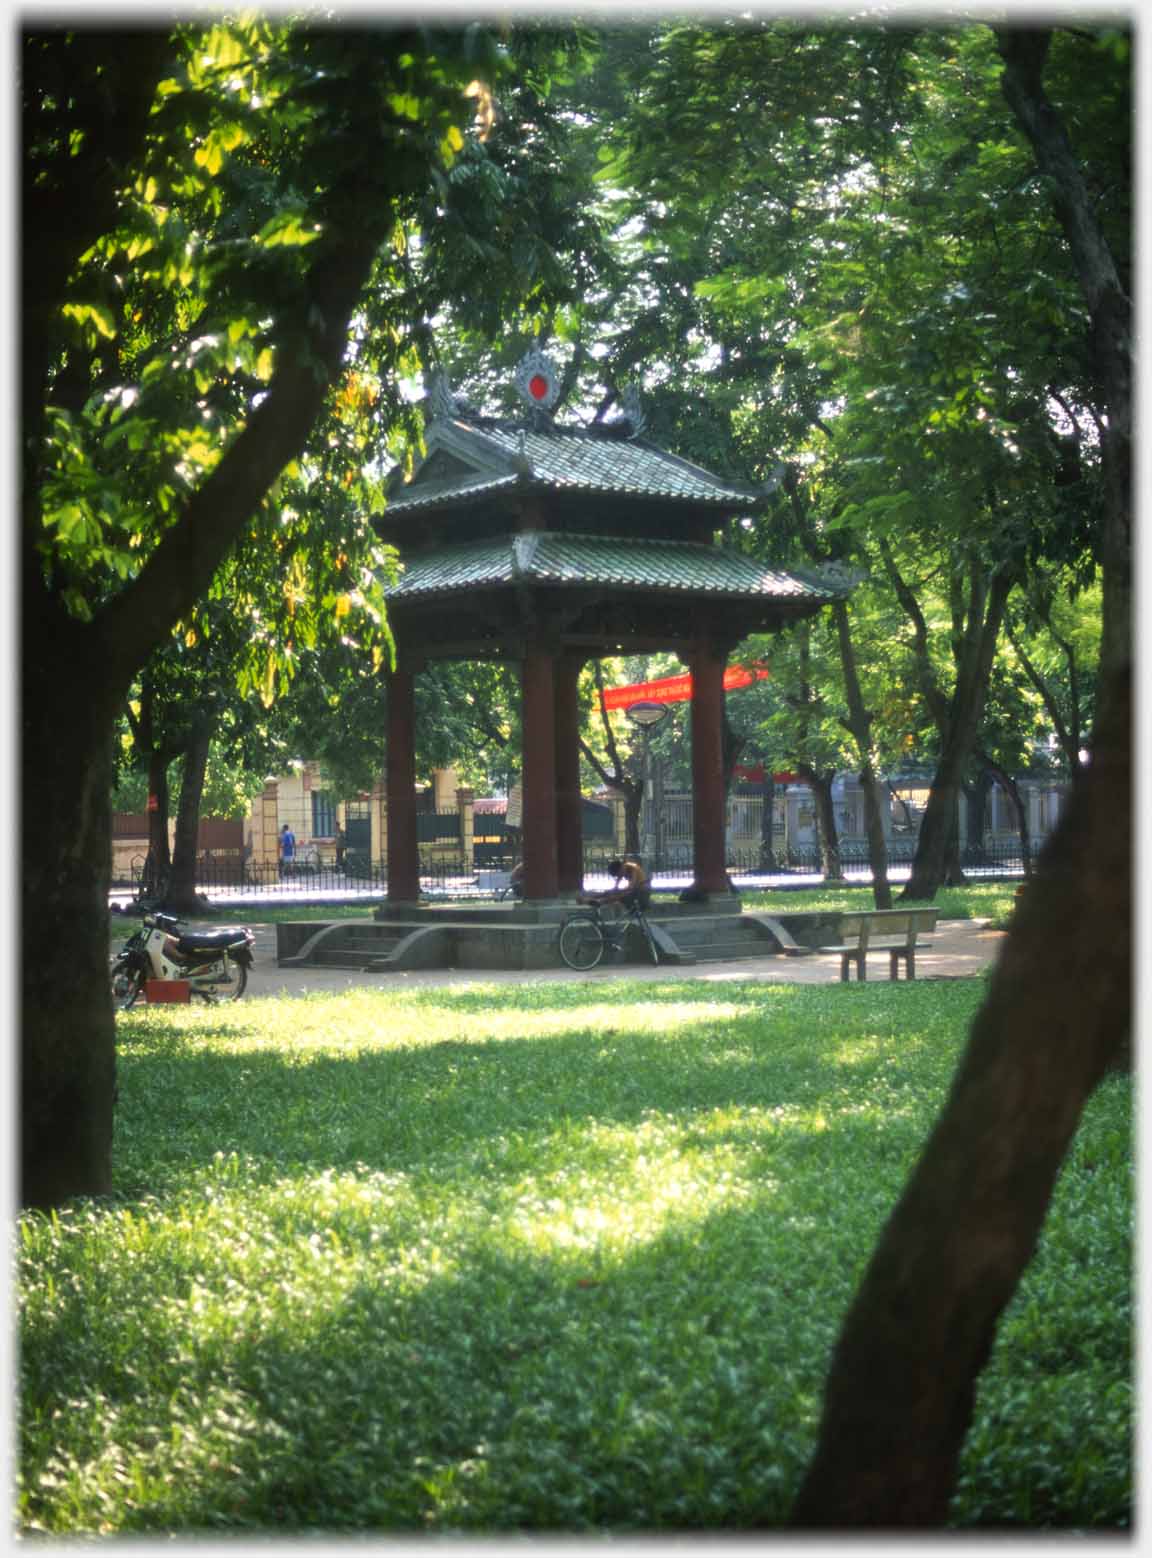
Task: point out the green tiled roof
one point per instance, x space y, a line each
565 460
546 557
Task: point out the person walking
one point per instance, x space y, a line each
287 849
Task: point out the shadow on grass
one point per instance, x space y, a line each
674 1385
567 1280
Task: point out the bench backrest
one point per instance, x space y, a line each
889 923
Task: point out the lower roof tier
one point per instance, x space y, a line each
560 560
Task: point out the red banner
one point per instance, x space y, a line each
678 689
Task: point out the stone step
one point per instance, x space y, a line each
720 941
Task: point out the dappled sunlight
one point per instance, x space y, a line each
360 1022
646 1183
609 1228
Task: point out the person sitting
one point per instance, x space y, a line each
634 893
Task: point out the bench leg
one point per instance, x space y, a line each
844 956
909 954
861 966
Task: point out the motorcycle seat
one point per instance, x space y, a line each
193 942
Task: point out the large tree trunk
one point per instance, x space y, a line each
67 1051
181 896
1058 1013
899 1395
76 678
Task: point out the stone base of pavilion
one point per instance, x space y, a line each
401 937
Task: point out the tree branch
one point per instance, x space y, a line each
181 568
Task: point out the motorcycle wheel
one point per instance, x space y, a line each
127 983
231 990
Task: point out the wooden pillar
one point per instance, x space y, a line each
400 784
538 720
569 803
708 808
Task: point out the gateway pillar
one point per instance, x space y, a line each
400 783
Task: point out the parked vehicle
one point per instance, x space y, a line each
214 962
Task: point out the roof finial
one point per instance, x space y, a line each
632 409
441 401
537 380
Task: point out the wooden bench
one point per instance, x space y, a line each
894 931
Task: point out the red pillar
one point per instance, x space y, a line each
708 808
538 719
400 782
569 805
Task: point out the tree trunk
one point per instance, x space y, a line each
828 838
633 804
899 1395
1024 51
1019 810
158 812
181 896
76 678
67 1027
931 865
768 860
877 839
953 869
860 725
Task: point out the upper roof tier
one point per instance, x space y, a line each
469 459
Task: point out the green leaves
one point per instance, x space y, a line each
288 227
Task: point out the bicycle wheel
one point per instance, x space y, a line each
581 943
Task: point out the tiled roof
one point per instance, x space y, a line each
546 557
570 460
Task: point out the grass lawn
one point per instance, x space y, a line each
553 1258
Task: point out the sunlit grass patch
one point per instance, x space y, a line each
976 901
543 1258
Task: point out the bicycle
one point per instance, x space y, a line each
585 935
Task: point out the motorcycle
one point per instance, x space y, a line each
214 962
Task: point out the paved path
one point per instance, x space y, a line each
959 948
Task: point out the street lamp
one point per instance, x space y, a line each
646 716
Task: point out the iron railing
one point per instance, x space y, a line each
443 876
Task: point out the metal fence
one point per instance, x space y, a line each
444 876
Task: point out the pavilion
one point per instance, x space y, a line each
549 545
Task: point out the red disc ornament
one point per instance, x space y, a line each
536 379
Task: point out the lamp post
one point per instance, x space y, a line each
647 716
